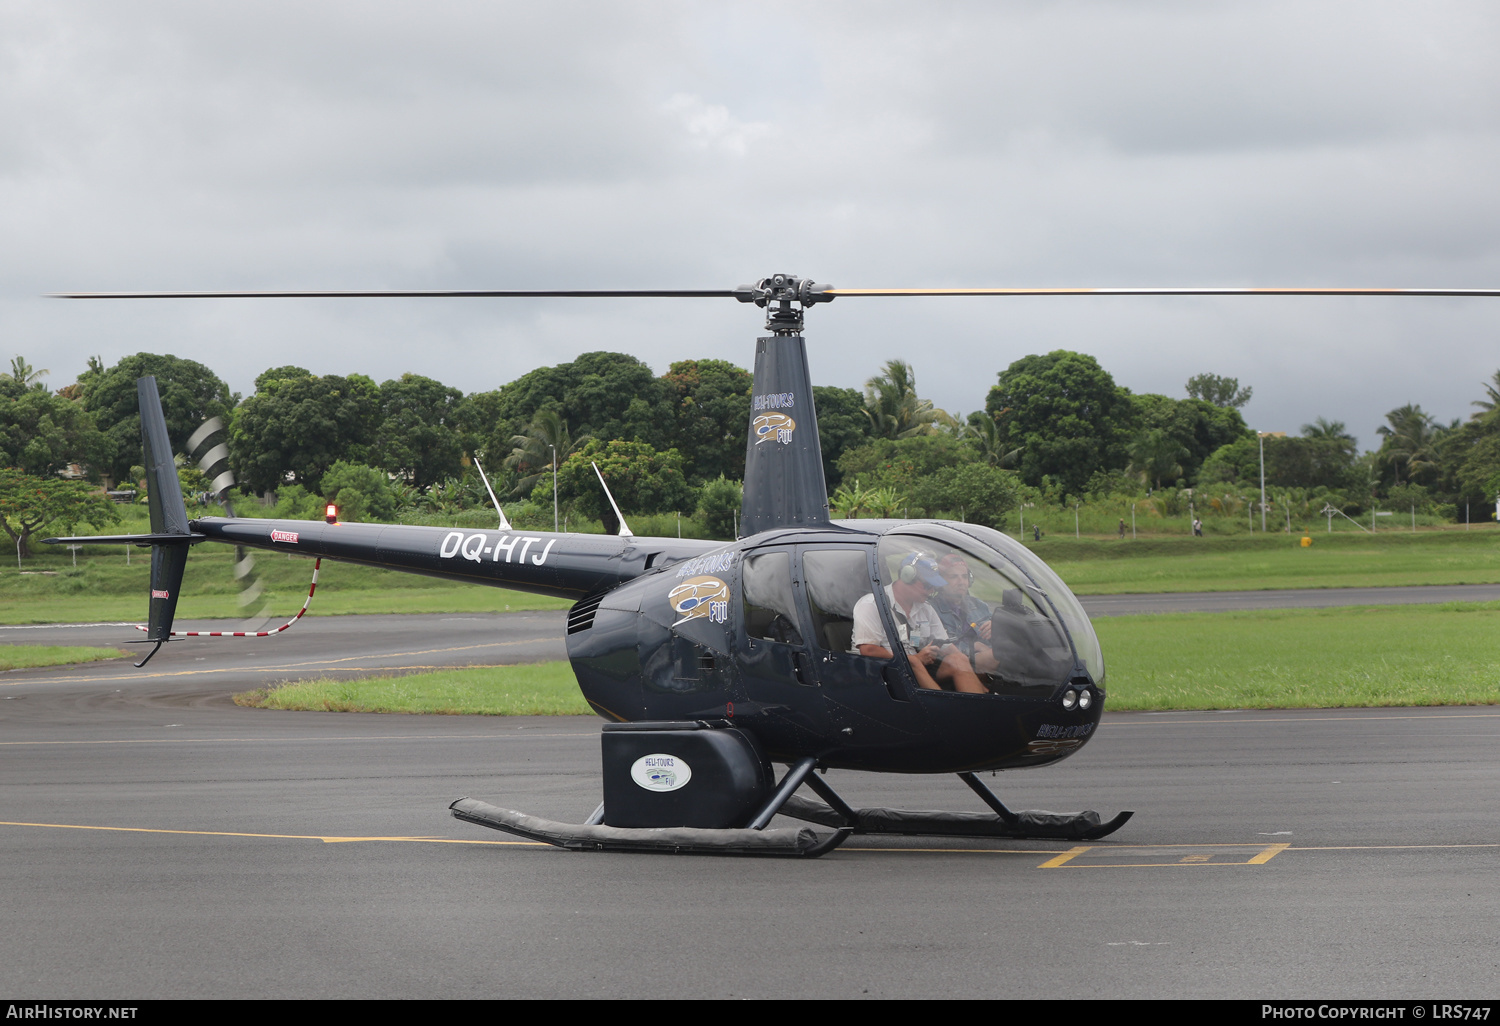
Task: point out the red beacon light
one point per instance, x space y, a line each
331 514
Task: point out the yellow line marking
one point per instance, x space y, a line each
288 667
1272 850
283 837
1059 860
302 740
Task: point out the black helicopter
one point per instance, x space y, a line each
712 661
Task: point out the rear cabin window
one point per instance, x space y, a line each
770 609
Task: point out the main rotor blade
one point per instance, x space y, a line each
1212 291
412 294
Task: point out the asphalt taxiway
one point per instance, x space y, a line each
158 841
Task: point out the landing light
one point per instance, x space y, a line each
1085 699
1070 698
331 514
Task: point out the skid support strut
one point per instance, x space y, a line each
1068 826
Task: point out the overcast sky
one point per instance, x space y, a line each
190 145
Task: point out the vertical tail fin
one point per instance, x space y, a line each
784 483
168 513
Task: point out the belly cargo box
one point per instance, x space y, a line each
691 773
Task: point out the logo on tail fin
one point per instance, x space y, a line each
773 427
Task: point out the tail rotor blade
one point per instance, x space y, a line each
207 428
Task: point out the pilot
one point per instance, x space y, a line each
965 618
934 659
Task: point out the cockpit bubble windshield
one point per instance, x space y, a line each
1006 611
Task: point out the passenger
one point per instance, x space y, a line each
934 659
965 618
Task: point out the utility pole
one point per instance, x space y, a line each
554 487
1261 437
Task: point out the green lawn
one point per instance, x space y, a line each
1304 658
1098 566
20 657
536 689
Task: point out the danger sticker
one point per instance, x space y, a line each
284 536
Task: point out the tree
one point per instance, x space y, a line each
1066 415
42 432
418 437
900 463
893 406
25 374
712 400
1198 427
720 501
641 479
1323 429
547 442
190 394
605 395
982 432
1491 402
1156 456
299 425
1410 436
1306 463
1222 392
360 492
29 503
975 492
842 426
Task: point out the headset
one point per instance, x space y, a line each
908 571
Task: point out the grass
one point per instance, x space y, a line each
1304 658
104 587
535 689
1278 659
20 657
1105 566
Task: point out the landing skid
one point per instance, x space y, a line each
793 842
1064 826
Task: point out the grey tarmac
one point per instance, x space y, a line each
158 841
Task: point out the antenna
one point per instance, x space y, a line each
504 523
625 531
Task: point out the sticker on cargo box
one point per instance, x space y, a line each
660 772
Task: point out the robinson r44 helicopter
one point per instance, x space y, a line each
809 642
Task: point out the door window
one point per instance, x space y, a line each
835 580
770 609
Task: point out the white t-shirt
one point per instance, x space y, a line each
922 622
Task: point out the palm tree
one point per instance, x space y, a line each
25 373
533 455
893 406
1156 456
1411 437
1490 405
984 434
1329 430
